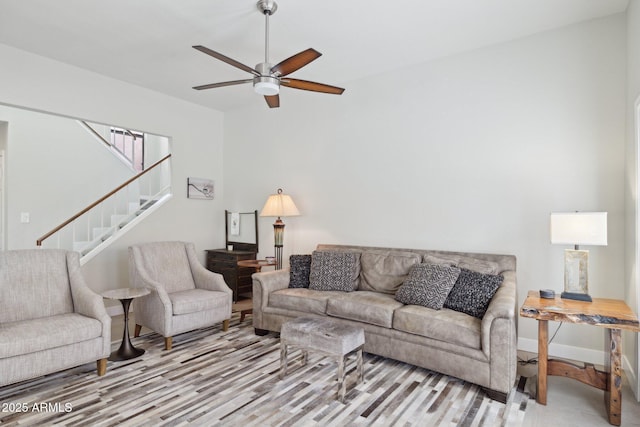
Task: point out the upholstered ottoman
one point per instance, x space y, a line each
326 337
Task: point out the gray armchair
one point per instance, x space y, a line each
184 295
49 319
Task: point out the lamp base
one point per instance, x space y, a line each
576 296
278 250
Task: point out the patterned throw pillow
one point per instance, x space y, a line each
300 267
428 285
473 292
334 271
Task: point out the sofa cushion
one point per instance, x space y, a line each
29 336
334 271
195 300
364 306
299 270
428 285
472 292
301 299
443 325
384 271
470 263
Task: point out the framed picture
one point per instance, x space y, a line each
200 188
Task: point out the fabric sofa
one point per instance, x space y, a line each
478 350
49 319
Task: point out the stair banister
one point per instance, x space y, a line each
97 202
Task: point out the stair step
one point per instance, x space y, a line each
98 232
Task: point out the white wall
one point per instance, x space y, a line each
38 83
468 153
630 347
48 164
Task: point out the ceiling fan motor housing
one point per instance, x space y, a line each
265 83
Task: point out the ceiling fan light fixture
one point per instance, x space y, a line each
265 85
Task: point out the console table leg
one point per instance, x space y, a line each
613 366
543 353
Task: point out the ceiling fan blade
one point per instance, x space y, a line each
312 86
295 62
226 59
222 84
272 101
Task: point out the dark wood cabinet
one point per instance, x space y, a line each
226 263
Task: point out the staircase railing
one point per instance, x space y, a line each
133 157
92 228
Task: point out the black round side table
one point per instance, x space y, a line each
126 295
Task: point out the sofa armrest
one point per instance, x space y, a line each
502 306
263 285
499 338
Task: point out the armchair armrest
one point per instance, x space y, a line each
155 306
203 278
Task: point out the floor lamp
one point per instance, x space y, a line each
279 205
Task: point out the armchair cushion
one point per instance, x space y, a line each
194 300
167 262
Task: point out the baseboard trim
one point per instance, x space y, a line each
583 355
564 351
632 377
115 310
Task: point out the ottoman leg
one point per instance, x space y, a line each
305 356
342 384
360 367
283 359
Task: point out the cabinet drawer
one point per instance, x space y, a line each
217 266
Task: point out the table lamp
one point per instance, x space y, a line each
279 205
578 228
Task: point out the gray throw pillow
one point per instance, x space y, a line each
299 270
334 271
428 285
473 292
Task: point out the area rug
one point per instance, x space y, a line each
211 378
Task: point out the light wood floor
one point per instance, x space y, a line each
569 402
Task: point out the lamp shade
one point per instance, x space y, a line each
279 205
579 228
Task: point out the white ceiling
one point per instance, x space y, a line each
148 42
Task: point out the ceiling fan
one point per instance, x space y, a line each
268 78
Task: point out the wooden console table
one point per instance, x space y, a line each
613 315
